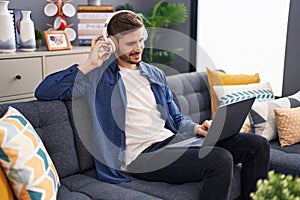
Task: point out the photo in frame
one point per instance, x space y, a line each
57 40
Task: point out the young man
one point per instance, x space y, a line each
135 117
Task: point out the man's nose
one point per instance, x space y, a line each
139 46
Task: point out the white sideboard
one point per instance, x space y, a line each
21 72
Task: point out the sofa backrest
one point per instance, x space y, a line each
62 132
51 121
82 123
191 94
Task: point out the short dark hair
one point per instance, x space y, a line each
123 22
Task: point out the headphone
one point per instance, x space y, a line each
111 39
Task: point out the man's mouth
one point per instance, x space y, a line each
135 55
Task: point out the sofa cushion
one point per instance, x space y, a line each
285 160
169 191
191 95
262 115
96 189
228 94
5 187
82 124
288 125
50 120
25 160
216 77
65 193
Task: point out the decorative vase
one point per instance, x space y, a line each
7 32
27 36
94 2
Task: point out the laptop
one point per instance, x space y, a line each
228 121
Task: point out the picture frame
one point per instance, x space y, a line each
57 40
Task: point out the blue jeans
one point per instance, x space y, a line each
215 169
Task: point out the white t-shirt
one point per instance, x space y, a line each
143 124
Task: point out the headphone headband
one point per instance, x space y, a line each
105 33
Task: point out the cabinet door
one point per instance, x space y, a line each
20 76
59 62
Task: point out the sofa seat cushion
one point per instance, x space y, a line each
169 191
65 193
285 160
96 189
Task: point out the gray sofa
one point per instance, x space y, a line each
54 122
190 88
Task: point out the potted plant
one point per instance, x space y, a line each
277 187
163 15
38 38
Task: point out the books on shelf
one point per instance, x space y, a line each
93 15
85 40
90 28
101 8
91 21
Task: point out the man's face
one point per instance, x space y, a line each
131 47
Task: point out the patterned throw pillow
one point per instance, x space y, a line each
232 93
228 94
5 188
288 125
262 117
221 78
25 160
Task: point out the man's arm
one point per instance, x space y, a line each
183 123
73 81
59 85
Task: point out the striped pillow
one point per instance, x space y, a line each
232 93
228 94
260 94
25 160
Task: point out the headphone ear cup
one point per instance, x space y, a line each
145 33
113 46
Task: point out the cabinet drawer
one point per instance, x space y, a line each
57 63
19 76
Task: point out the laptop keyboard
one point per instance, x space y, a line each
197 142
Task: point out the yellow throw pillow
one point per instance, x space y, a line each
220 78
5 188
288 125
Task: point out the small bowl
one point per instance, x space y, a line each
50 9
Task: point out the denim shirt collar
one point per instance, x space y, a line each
144 68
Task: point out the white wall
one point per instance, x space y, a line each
244 36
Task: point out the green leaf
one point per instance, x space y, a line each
148 22
174 14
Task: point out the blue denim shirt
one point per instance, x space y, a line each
104 91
